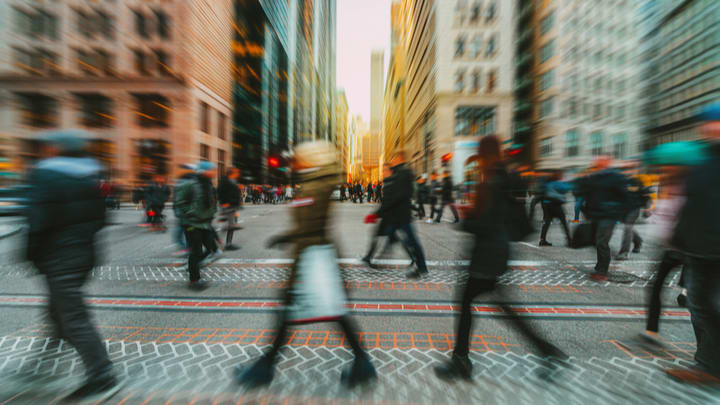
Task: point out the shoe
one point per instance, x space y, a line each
95 391
456 367
258 375
211 258
199 285
621 256
598 277
682 300
361 372
369 262
429 221
693 376
575 221
232 247
416 274
544 243
637 248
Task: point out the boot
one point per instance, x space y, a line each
260 374
361 372
456 367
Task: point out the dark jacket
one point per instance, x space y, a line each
228 192
447 190
491 248
157 194
698 230
422 193
66 210
196 202
605 194
396 206
434 190
638 194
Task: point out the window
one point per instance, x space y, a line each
221 125
474 120
141 25
597 111
572 143
83 23
621 86
574 110
38 110
546 52
163 24
476 45
38 61
460 46
475 12
546 80
491 11
545 147
204 152
105 62
141 65
492 78
153 110
36 24
163 64
620 112
596 143
204 117
546 107
619 146
221 162
476 81
491 46
95 110
105 25
86 62
23 22
547 23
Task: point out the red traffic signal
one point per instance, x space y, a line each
273 162
447 157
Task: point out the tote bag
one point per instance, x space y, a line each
318 294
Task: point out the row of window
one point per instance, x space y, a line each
475 81
699 87
600 57
598 85
478 11
205 118
475 120
596 146
37 23
476 46
680 58
710 61
575 108
694 19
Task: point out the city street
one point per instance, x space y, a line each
175 346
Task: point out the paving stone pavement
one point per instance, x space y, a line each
202 373
542 275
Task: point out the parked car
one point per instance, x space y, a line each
13 200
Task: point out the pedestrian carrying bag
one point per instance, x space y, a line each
317 295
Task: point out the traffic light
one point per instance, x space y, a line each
515 149
273 162
447 157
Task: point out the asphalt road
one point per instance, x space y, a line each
175 346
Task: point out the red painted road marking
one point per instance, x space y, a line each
409 307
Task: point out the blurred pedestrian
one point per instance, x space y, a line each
490 254
606 199
421 192
538 194
697 236
315 162
179 231
447 198
157 195
552 206
229 199
66 210
197 205
434 191
638 201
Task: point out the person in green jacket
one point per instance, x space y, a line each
196 204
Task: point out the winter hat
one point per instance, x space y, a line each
204 166
67 140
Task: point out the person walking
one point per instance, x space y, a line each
421 192
639 197
489 259
179 231
379 192
434 190
157 195
229 199
697 236
605 194
396 210
197 206
65 212
447 198
315 163
538 194
552 206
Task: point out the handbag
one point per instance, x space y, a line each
318 294
583 236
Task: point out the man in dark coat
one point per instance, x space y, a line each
66 210
229 199
447 199
156 195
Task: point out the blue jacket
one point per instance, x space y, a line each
555 191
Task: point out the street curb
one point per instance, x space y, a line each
12 231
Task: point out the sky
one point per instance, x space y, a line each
362 26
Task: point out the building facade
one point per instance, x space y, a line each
342 142
579 83
149 80
684 60
451 74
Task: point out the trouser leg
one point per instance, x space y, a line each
414 246
559 213
230 221
578 205
195 242
440 211
69 304
703 284
349 329
454 211
472 288
670 260
603 234
629 235
547 220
